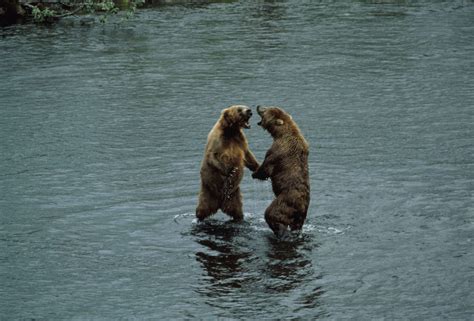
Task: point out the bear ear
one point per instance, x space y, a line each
226 117
279 122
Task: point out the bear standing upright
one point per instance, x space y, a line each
225 156
286 164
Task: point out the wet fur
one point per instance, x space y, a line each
222 168
286 164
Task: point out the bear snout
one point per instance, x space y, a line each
246 114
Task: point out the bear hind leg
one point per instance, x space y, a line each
232 206
207 205
298 221
277 216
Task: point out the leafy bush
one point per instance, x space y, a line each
104 7
42 15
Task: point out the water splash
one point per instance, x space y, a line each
178 217
330 230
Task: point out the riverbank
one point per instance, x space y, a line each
10 11
49 11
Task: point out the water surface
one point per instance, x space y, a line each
103 127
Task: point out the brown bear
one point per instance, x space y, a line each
286 164
225 156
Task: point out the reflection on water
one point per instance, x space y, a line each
223 259
237 259
288 263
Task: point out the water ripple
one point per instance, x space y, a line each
103 130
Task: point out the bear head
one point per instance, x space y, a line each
275 120
236 117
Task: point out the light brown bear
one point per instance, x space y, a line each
222 168
286 164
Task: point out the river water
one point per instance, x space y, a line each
103 128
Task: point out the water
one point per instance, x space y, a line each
103 128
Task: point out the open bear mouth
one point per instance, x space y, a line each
245 123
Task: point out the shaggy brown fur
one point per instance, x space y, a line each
286 163
226 154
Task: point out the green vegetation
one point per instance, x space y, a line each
106 7
12 10
42 15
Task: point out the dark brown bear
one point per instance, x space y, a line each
222 168
286 164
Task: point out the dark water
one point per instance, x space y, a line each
103 127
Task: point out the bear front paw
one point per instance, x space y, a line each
258 175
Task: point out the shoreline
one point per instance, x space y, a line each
50 11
